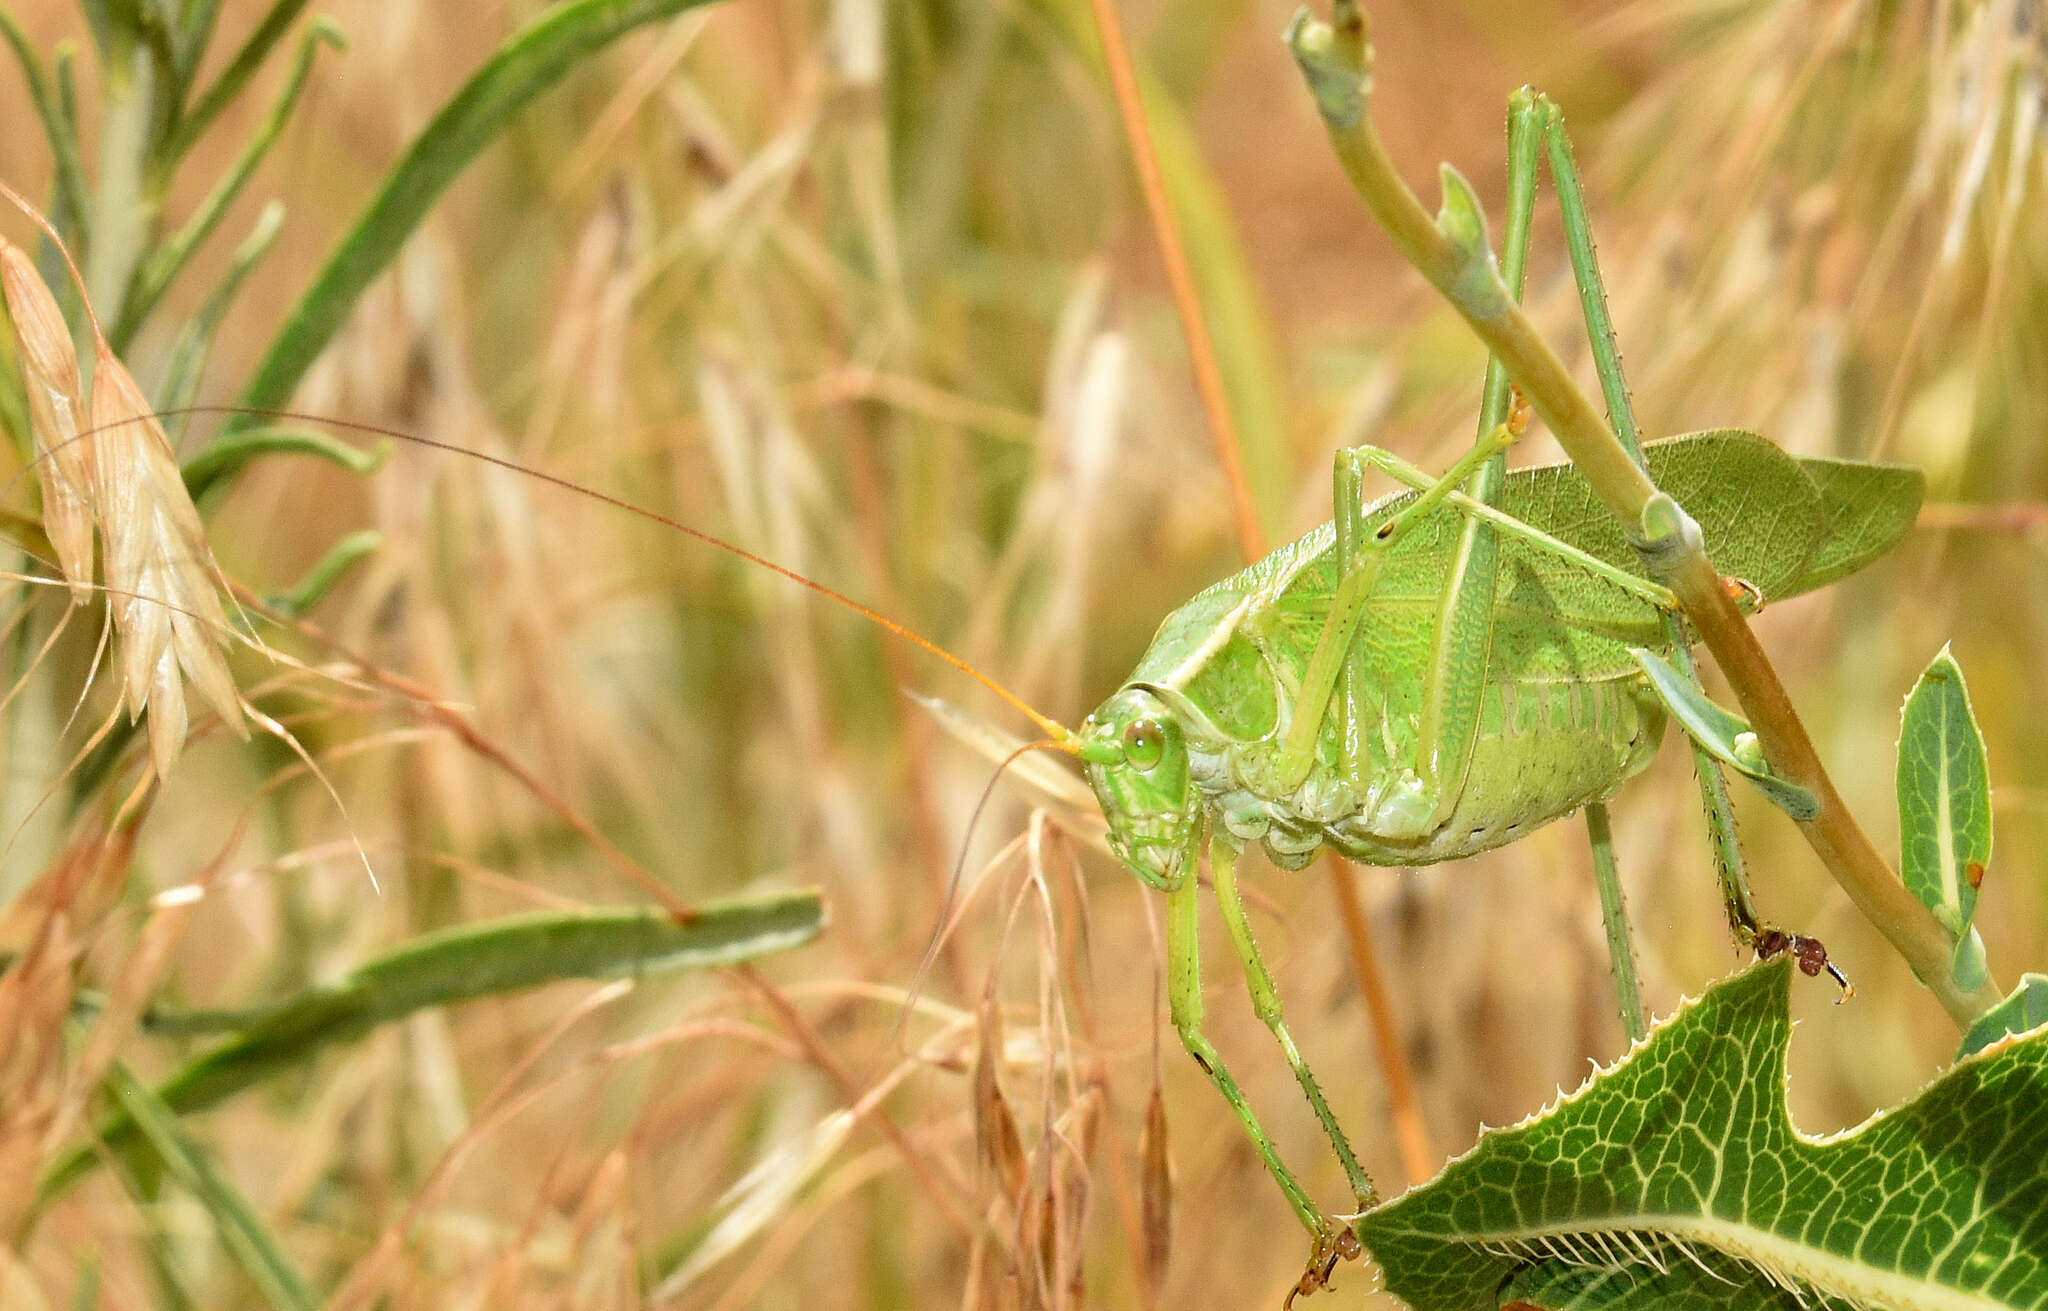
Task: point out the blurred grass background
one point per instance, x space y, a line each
867 288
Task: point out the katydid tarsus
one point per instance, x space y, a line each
1431 674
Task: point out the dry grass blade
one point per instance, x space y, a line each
49 926
995 1124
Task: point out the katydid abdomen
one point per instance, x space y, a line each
1545 748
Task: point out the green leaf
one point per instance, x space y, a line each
1868 507
303 595
210 470
1724 736
527 64
2022 1012
464 963
1944 796
243 1232
1683 1154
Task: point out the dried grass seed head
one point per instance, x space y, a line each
63 458
161 578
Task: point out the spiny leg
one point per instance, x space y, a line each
1266 1005
1578 228
1650 593
1184 1001
1621 947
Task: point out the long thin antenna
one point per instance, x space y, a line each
1061 737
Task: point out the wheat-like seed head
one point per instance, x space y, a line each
49 365
161 577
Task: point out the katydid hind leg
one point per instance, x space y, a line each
1621 948
1454 688
1266 1005
1578 229
1361 557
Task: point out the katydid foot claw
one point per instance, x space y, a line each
1748 597
1810 953
1335 1243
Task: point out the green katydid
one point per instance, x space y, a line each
1440 671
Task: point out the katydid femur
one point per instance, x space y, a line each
1443 670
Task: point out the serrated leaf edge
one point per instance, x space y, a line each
1888 1290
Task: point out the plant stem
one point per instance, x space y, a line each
123 214
1334 59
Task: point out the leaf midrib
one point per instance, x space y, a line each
1763 1250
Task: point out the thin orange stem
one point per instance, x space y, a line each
1123 81
1411 1133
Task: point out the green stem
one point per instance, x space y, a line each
1452 253
123 214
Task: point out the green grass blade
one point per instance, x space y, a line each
464 963
1685 1150
1944 785
303 595
164 263
213 468
71 190
527 64
241 1230
189 353
229 85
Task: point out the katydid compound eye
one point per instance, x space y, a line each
1144 743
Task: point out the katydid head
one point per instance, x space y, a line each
1137 762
